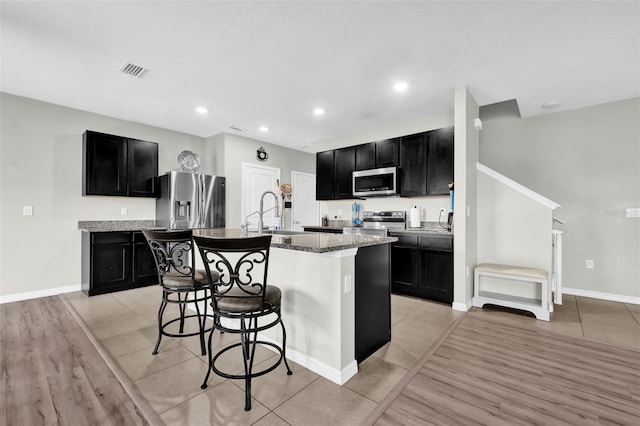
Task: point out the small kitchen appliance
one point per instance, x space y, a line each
375 182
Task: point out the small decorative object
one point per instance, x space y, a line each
261 154
189 161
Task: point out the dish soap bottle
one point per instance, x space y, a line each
355 214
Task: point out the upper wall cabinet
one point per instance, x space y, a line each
439 161
426 163
344 165
324 175
378 154
118 166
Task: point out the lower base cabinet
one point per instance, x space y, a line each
422 266
114 261
372 299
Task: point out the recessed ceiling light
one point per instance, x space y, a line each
318 111
202 110
263 128
400 86
550 104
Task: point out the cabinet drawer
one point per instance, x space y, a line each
110 237
436 243
406 240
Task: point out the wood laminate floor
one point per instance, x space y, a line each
124 325
494 372
51 372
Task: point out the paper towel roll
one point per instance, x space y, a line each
414 217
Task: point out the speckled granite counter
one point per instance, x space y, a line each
426 228
309 242
116 225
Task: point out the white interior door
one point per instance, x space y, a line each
306 210
256 179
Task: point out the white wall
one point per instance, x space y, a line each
588 161
513 229
41 166
238 149
465 208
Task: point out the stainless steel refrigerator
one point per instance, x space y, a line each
190 201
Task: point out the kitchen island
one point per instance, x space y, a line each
336 292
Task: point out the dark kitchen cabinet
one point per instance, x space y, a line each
378 154
422 266
324 175
413 165
344 165
439 161
366 156
372 299
142 168
114 261
387 152
118 166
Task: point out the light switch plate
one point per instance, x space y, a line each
27 210
633 212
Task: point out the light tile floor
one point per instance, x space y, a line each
125 323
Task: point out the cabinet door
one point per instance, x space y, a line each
439 161
110 262
413 164
324 175
142 166
344 165
404 269
387 153
144 266
436 276
366 156
104 167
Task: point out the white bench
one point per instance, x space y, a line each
538 306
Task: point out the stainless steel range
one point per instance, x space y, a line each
378 223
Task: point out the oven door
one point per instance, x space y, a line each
375 182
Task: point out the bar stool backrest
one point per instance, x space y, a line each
242 265
173 254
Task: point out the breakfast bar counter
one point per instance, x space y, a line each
336 297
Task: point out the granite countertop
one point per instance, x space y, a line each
116 225
309 242
425 228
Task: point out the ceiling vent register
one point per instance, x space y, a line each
132 69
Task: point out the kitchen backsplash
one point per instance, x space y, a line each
340 210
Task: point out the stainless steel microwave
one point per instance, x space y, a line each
375 182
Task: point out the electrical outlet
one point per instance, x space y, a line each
347 283
589 264
123 211
27 210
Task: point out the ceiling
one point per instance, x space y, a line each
271 63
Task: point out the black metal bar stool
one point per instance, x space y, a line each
175 262
237 270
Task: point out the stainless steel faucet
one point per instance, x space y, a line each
261 211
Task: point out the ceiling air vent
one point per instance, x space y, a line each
132 69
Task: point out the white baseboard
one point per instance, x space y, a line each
39 293
599 295
463 307
339 377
